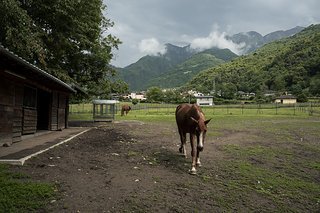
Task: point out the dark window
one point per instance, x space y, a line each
30 97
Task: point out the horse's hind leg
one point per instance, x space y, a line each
183 139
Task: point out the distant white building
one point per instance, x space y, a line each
286 99
139 96
204 100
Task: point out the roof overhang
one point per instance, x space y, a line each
33 70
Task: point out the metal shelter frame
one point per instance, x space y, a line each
104 110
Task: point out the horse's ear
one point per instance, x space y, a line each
193 119
207 121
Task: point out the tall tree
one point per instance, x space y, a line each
72 36
18 32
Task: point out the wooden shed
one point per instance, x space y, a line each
31 100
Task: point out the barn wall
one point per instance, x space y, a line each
11 99
54 111
29 122
62 111
59 110
20 110
17 119
6 110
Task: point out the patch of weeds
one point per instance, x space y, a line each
249 151
206 178
132 153
315 165
22 196
277 186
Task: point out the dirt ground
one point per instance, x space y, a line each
130 166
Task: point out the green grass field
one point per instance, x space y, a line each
20 194
166 111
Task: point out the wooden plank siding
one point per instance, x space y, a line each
62 111
17 125
6 111
54 111
29 122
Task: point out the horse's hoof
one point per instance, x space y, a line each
192 172
180 150
199 164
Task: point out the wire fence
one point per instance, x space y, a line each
311 109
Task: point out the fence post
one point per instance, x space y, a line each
310 110
259 109
242 106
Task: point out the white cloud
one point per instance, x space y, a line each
216 39
151 46
184 21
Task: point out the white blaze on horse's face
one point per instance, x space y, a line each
201 137
201 140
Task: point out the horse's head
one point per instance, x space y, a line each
201 130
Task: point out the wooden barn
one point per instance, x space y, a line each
31 100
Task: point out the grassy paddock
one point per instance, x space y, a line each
278 159
84 111
19 194
274 158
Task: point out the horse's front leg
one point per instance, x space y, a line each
193 170
198 158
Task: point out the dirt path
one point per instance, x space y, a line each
124 166
136 167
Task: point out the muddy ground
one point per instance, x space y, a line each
130 166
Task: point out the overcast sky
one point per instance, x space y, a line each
144 26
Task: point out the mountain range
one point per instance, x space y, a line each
253 40
291 65
178 65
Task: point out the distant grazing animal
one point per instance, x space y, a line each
190 119
125 109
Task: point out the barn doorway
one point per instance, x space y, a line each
43 110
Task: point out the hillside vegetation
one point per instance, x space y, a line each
172 69
291 64
187 70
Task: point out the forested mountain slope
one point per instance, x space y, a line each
185 71
291 64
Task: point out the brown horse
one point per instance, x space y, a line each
125 109
190 119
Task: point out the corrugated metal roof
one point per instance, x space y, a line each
286 97
25 63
